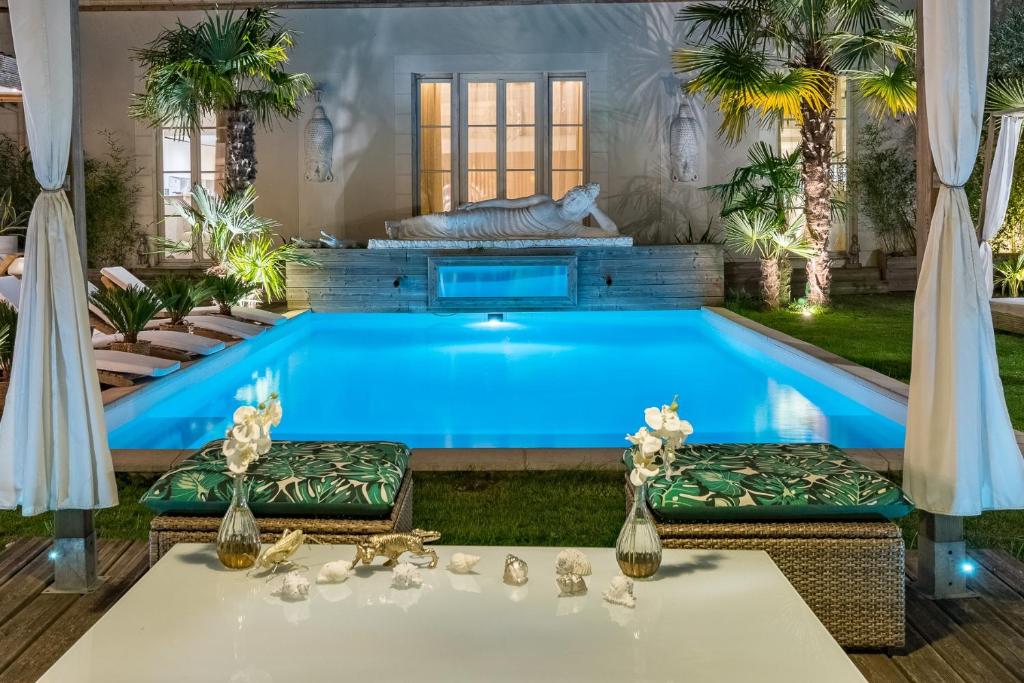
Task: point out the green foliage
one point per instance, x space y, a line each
883 179
260 261
218 222
227 290
8 330
127 309
111 193
227 60
17 176
1006 46
179 295
1010 275
779 58
12 221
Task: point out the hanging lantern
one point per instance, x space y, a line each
684 144
319 141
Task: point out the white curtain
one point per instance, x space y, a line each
961 456
997 197
53 440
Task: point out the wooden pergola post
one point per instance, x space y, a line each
942 552
74 533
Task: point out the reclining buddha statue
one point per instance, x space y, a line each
536 217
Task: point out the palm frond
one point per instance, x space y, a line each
711 18
261 262
217 221
749 232
129 310
888 90
1007 95
858 15
227 290
179 295
783 93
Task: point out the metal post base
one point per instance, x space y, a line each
942 556
74 552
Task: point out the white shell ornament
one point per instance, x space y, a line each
572 561
516 571
462 563
406 575
571 584
620 592
335 572
294 587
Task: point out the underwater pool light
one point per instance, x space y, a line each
495 317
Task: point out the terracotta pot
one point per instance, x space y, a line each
168 327
140 347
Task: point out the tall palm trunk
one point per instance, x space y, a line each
785 281
240 153
770 283
816 134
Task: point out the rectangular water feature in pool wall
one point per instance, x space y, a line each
501 282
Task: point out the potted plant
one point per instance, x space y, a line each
129 311
11 224
8 328
227 290
1009 275
178 296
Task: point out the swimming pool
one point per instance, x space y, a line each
531 380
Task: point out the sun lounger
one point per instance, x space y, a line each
118 368
176 341
10 290
124 279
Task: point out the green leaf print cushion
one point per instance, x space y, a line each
337 479
771 481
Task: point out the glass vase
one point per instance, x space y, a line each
638 550
238 540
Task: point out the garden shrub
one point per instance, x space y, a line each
111 192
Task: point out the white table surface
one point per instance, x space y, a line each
707 616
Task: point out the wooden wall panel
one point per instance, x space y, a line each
395 280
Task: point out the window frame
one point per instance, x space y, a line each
199 256
459 81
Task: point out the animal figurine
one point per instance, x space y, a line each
279 554
570 584
392 546
572 562
462 563
516 571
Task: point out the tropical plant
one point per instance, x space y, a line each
883 179
1010 275
111 193
12 221
260 261
218 222
8 330
227 290
773 59
774 242
179 295
128 310
231 63
17 175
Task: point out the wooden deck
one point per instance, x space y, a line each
948 641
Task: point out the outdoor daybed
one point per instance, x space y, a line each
336 492
823 518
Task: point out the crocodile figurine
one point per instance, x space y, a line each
392 546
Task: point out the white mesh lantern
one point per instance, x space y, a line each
684 144
319 143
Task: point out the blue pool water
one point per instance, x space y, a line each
534 380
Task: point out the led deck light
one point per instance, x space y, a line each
967 567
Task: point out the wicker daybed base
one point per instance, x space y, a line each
851 574
165 530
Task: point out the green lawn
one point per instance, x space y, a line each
583 508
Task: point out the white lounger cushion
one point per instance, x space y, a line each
134 364
10 290
234 328
123 278
179 341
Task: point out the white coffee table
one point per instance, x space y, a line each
709 616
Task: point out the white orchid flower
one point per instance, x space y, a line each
639 475
272 413
244 414
246 432
654 418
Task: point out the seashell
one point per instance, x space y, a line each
335 572
572 561
406 575
571 584
294 587
462 563
516 571
620 592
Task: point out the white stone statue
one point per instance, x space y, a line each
536 217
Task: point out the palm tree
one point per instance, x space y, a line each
760 205
772 59
228 63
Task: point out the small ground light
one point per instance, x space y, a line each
967 567
807 313
53 555
495 317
